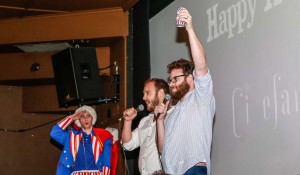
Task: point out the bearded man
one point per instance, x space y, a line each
185 134
144 136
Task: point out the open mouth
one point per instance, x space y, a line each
147 103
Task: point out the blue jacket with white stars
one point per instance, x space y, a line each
70 139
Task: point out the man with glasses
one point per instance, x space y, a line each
185 134
85 151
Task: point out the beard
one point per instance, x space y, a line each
182 89
153 103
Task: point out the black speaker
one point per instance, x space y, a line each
77 76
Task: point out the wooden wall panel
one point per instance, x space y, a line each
118 53
72 26
41 99
15 66
103 55
27 152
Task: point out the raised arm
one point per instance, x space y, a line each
197 50
59 132
128 116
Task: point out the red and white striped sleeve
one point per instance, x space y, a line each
64 123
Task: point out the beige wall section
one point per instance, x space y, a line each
27 152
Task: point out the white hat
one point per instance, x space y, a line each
88 109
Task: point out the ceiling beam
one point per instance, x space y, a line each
102 23
31 9
128 4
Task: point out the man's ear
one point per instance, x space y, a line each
161 94
190 78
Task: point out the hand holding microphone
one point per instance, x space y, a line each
131 113
163 107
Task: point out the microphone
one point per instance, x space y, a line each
167 98
138 109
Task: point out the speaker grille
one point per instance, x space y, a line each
77 76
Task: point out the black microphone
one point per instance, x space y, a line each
167 98
138 109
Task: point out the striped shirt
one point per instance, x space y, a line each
188 129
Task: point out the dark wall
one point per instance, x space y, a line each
141 49
138 68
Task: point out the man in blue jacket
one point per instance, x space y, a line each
85 151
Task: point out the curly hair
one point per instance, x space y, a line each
186 66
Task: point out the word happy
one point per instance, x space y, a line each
235 18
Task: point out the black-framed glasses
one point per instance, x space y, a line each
174 79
